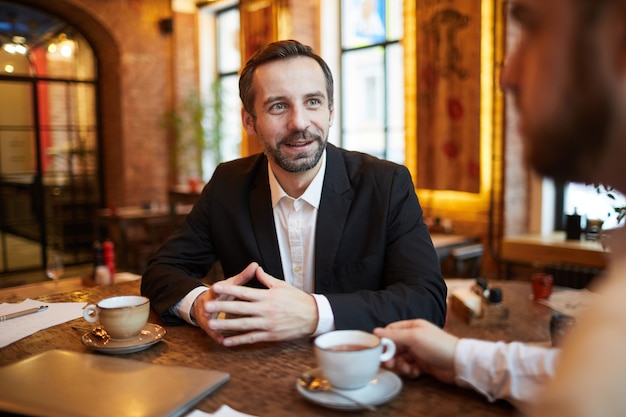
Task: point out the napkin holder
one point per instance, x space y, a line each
480 308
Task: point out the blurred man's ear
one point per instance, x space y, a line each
248 122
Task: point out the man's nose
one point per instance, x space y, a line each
298 118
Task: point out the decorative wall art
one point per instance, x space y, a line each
448 95
258 19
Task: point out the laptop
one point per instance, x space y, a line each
61 383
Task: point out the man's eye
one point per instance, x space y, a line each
315 102
278 107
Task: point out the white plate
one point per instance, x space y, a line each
383 388
148 336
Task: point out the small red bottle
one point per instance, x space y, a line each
108 252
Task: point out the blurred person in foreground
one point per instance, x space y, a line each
567 76
313 237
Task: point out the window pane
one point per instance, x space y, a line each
395 20
229 58
232 118
17 131
362 22
68 131
223 121
395 103
63 60
586 201
13 63
363 99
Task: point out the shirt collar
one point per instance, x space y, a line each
311 195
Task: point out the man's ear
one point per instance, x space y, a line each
248 122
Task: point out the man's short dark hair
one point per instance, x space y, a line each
275 51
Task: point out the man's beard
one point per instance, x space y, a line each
570 147
303 161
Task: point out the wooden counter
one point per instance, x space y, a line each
553 249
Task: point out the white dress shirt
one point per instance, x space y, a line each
295 221
515 371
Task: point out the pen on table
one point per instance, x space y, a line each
23 313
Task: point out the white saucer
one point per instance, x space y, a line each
383 388
148 336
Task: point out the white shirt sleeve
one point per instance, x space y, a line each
325 316
182 309
511 371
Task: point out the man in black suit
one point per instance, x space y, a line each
313 237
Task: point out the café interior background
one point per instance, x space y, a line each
84 133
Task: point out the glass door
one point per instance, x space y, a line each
49 172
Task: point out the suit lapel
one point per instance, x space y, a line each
334 206
263 223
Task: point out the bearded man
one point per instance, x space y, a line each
313 237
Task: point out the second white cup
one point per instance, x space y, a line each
349 359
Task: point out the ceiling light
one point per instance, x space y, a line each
66 50
9 47
14 48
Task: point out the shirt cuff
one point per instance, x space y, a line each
325 316
472 362
182 309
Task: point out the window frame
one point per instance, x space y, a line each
385 45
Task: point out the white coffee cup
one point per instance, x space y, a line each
349 359
122 317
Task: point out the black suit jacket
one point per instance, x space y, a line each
374 258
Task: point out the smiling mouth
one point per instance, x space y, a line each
298 144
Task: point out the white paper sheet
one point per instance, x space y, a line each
18 328
223 411
569 302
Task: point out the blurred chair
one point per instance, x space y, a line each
149 236
467 260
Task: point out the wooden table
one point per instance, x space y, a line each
263 376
